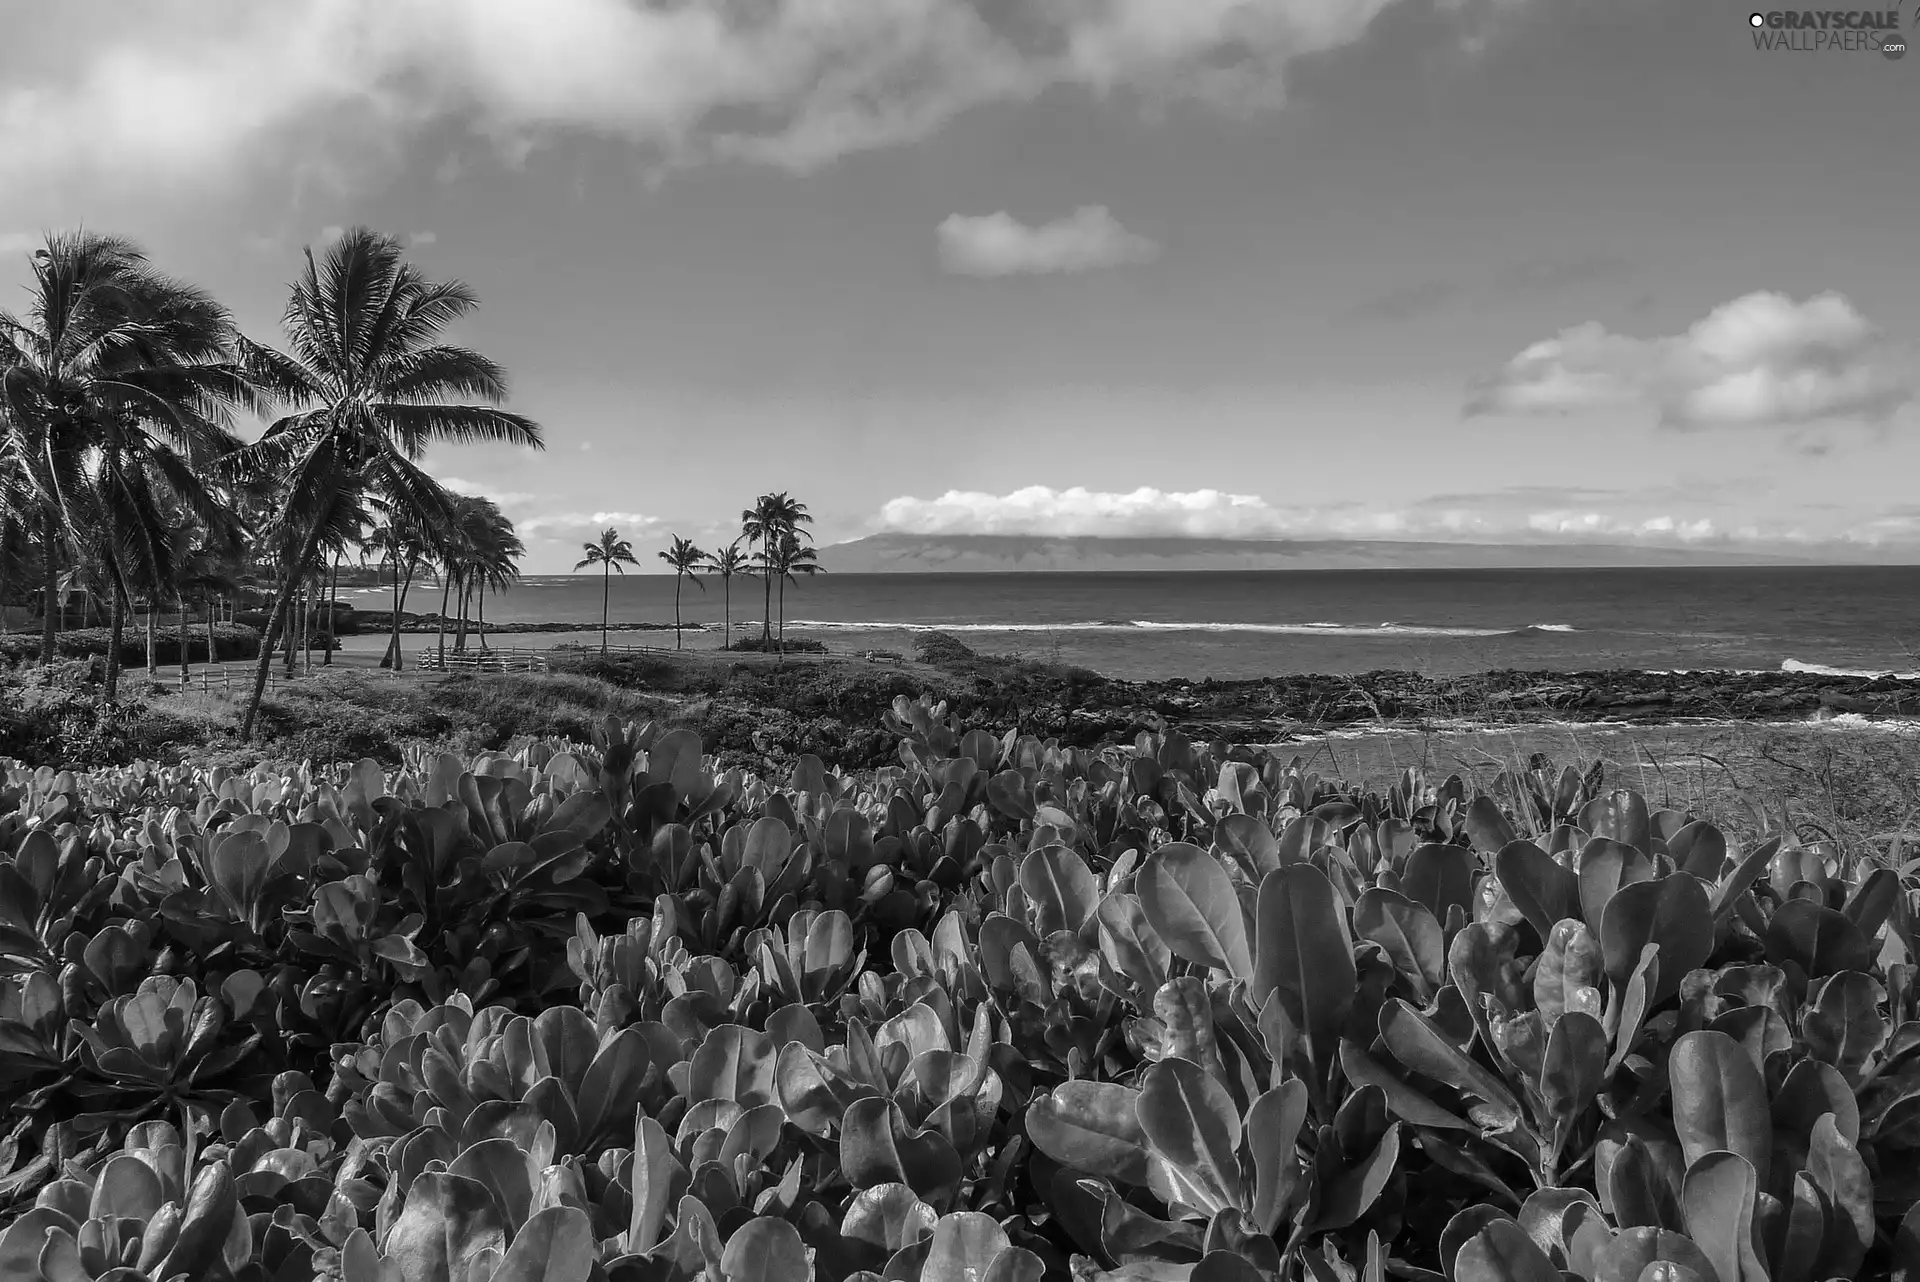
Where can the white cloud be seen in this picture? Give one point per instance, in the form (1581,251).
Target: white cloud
(331,232)
(480,489)
(1762,359)
(20,242)
(172,93)
(1149,513)
(556,525)
(1001,245)
(423,238)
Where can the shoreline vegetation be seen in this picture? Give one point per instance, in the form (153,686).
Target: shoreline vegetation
(1841,743)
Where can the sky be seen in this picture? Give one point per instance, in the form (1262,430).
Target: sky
(1496,270)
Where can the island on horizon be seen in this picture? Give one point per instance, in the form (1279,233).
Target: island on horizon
(898,553)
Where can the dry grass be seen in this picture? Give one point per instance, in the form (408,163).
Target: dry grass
(1848,781)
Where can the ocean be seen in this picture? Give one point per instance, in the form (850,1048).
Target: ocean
(1248,624)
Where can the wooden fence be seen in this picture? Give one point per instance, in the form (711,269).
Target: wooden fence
(492,659)
(229,678)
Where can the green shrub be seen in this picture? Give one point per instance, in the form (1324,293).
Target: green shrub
(1002,1009)
(231,641)
(774,645)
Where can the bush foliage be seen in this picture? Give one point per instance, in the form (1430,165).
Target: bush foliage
(777,645)
(230,640)
(1001,1011)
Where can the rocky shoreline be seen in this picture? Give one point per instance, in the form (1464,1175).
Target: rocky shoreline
(1409,698)
(374,622)
(837,705)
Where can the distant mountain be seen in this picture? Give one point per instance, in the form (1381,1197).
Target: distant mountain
(977,553)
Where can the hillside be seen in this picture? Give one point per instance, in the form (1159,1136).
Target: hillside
(978,553)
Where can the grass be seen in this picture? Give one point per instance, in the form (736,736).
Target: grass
(1846,779)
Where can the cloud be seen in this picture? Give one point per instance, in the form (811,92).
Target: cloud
(20,242)
(480,489)
(560,525)
(1001,245)
(423,238)
(1762,359)
(1150,513)
(172,93)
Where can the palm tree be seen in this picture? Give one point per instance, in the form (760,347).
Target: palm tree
(405,542)
(371,384)
(204,567)
(493,557)
(687,562)
(726,563)
(792,557)
(121,380)
(609,553)
(771,516)
(452,556)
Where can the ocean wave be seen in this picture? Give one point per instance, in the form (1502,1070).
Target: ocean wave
(1328,629)
(882,625)
(1826,670)
(1389,630)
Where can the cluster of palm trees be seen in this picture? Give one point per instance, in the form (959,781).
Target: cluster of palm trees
(119,387)
(776,549)
(475,552)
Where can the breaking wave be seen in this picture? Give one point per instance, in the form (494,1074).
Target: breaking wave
(1387,630)
(1824,670)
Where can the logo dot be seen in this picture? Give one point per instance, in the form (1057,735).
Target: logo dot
(1757,20)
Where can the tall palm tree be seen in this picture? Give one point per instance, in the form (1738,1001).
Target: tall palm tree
(494,552)
(371,384)
(205,568)
(122,380)
(451,558)
(727,562)
(14,559)
(406,541)
(609,552)
(687,562)
(16,496)
(771,516)
(792,557)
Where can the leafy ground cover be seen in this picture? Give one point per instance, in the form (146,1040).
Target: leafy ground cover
(1004,1008)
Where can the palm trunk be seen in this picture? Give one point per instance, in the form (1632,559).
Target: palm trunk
(726,592)
(766,621)
(306,624)
(782,643)
(281,598)
(333,596)
(391,659)
(186,638)
(480,614)
(212,650)
(446,586)
(676,611)
(153,655)
(50,623)
(466,601)
(292,624)
(115,636)
(606,589)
